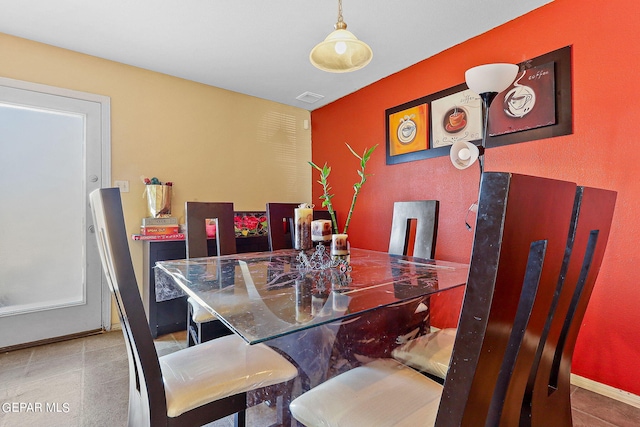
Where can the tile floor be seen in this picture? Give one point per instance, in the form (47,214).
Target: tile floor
(84,382)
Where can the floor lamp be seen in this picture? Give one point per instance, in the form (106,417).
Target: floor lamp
(487,81)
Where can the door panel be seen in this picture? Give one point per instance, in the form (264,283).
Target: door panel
(50,277)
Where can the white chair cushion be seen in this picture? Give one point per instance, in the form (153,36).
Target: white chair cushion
(381,393)
(429,353)
(200,314)
(219,368)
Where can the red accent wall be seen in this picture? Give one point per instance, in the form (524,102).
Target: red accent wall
(601,152)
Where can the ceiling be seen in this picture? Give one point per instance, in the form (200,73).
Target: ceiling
(257,47)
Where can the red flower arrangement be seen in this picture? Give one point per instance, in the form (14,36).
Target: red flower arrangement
(250,224)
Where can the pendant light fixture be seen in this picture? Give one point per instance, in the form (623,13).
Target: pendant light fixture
(341,51)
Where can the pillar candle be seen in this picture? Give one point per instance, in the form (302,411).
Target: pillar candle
(302,224)
(321,230)
(339,244)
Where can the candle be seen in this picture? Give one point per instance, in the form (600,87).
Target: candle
(321,230)
(302,224)
(339,244)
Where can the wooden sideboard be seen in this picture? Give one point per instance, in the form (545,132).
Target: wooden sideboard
(171,316)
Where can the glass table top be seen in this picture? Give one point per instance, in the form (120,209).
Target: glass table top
(265,295)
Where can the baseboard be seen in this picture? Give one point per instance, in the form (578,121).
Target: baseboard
(596,387)
(50,340)
(605,390)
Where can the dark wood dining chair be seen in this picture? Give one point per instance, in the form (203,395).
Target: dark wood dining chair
(517,257)
(425,214)
(280,218)
(361,338)
(189,387)
(202,325)
(549,382)
(547,397)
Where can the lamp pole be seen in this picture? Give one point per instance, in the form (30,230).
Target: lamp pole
(487,99)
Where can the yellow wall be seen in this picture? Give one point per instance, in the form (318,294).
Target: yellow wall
(213,144)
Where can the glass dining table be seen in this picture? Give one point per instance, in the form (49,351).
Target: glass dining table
(262,296)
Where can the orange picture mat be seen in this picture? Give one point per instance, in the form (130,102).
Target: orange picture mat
(409,130)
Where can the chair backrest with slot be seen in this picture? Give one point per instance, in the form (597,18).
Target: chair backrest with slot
(147,402)
(196,214)
(547,397)
(280,218)
(518,250)
(425,212)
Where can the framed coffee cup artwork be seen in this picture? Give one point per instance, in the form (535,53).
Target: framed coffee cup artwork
(428,126)
(537,105)
(407,132)
(456,117)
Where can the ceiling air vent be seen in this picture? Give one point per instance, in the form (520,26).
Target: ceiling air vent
(309,97)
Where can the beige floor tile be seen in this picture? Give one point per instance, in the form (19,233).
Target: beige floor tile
(14,359)
(42,372)
(103,340)
(56,402)
(106,404)
(12,378)
(46,353)
(96,374)
(104,355)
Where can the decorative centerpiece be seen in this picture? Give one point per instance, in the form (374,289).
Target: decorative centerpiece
(158,197)
(339,241)
(319,260)
(326,271)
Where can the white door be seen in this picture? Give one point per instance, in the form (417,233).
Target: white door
(54,150)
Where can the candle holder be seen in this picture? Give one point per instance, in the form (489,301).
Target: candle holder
(321,260)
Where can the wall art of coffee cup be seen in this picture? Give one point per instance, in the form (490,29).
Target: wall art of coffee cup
(455,120)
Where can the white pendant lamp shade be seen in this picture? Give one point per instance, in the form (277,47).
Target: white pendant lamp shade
(463,154)
(490,77)
(341,52)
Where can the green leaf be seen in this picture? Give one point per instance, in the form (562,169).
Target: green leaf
(370,152)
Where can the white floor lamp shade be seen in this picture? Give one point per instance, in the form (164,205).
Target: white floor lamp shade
(490,77)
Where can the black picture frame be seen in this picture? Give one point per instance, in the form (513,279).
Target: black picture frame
(563,102)
(413,155)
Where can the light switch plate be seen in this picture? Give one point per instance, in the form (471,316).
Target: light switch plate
(122,185)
